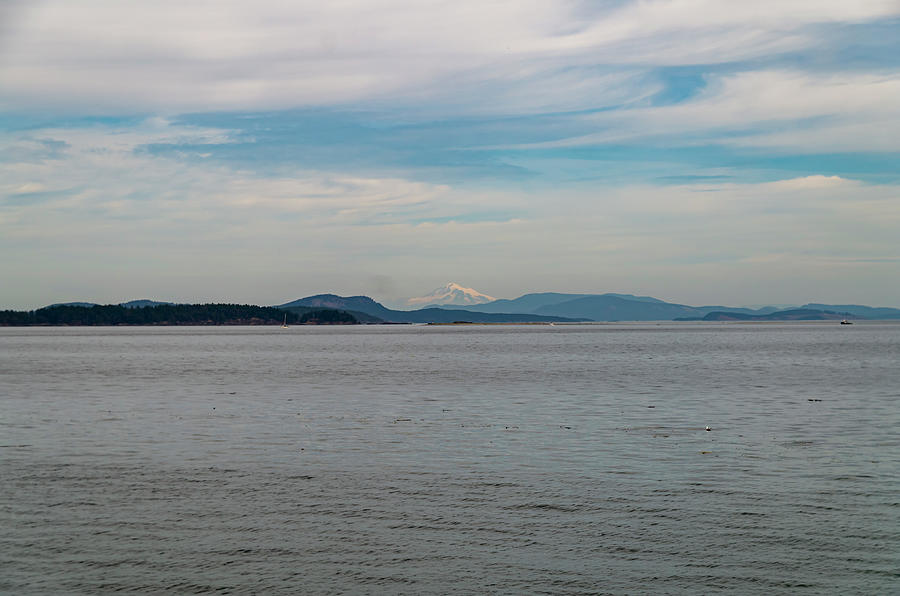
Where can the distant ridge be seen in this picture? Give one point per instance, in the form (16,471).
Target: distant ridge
(333,302)
(613,308)
(601,307)
(551,307)
(629,307)
(798,314)
(366,305)
(366,309)
(868,312)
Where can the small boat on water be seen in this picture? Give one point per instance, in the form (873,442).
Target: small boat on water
(846,322)
(284,325)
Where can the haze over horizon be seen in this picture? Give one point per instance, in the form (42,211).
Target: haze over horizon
(699,152)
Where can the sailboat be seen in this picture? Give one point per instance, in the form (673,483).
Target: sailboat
(284,325)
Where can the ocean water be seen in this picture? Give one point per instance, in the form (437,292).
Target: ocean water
(451,459)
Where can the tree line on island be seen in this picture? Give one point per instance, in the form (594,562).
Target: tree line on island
(173,314)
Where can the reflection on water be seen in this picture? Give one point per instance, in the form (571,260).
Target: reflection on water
(484,459)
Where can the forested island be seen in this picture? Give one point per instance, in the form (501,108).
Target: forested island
(173,314)
(797,314)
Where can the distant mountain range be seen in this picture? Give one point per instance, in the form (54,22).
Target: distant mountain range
(605,307)
(367,306)
(628,307)
(558,307)
(546,307)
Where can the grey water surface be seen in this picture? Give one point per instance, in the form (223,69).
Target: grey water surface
(451,459)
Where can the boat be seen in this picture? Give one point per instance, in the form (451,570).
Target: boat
(284,325)
(846,322)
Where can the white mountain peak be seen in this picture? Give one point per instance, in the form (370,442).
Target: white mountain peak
(452,293)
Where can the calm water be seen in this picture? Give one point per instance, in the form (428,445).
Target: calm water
(428,460)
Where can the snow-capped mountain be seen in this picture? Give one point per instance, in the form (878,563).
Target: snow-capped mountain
(451,294)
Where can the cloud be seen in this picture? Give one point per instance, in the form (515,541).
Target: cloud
(213,231)
(105,174)
(773,109)
(28,188)
(173,56)
(815,182)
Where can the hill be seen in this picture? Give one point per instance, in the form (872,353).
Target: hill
(368,306)
(360,316)
(869,312)
(798,314)
(626,307)
(614,308)
(362,304)
(601,307)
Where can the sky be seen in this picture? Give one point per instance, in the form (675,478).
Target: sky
(698,151)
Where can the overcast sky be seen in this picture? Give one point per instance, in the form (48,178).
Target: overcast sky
(703,152)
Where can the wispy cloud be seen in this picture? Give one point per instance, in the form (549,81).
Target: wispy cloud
(177,56)
(814,182)
(105,200)
(105,173)
(755,108)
